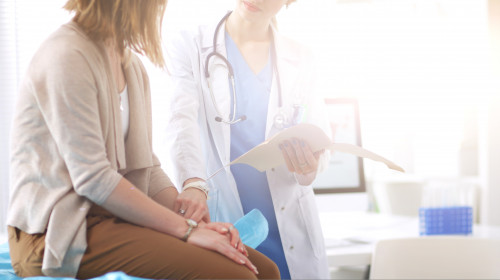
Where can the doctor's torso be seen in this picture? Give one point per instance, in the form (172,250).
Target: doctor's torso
(200,145)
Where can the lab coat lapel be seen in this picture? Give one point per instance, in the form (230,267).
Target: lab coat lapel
(221,93)
(288,68)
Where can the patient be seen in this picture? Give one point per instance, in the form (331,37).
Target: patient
(88,194)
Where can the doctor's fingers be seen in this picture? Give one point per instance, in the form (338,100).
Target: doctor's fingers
(191,208)
(196,210)
(177,207)
(288,160)
(197,213)
(206,217)
(296,155)
(311,158)
(291,152)
(318,154)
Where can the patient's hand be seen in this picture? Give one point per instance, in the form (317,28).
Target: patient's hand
(192,204)
(209,236)
(230,231)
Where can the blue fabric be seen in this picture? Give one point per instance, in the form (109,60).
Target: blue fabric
(253,228)
(252,99)
(7,272)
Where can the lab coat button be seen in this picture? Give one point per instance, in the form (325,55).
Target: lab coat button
(272,169)
(283,208)
(291,247)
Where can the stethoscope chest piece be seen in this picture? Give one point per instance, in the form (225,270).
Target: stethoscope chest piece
(279,121)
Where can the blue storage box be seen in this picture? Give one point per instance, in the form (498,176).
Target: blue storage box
(445,220)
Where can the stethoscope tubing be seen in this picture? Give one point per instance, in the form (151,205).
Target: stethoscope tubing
(230,74)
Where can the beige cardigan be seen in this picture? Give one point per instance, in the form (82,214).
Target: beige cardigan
(67,149)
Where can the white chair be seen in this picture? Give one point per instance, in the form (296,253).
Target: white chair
(436,257)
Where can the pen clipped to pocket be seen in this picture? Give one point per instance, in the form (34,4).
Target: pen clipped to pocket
(298,114)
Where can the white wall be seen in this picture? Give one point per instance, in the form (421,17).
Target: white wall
(490,164)
(490,130)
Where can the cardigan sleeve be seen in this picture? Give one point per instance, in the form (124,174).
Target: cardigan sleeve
(66,90)
(159,179)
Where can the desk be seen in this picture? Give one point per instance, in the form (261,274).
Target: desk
(350,237)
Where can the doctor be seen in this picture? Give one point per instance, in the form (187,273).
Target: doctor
(236,83)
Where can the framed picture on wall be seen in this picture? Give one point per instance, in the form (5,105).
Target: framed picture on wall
(345,172)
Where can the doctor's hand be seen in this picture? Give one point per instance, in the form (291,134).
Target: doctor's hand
(191,203)
(300,159)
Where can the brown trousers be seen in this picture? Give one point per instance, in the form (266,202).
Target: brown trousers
(115,245)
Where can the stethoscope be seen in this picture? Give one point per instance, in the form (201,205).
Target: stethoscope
(280,120)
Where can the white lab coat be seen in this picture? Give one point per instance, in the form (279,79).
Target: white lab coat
(199,146)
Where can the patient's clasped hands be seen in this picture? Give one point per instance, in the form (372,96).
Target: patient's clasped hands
(220,237)
(223,238)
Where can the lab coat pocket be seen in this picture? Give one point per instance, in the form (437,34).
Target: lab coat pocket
(213,197)
(312,223)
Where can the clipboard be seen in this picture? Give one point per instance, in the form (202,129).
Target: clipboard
(268,154)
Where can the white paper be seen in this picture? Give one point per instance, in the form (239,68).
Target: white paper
(268,154)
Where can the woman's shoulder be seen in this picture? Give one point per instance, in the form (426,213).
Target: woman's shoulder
(68,38)
(66,58)
(68,45)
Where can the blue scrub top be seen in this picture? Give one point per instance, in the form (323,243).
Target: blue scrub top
(252,99)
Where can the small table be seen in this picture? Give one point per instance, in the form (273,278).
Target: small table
(350,237)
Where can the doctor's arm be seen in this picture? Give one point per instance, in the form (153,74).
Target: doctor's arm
(193,200)
(183,131)
(299,158)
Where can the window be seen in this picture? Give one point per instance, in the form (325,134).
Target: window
(345,172)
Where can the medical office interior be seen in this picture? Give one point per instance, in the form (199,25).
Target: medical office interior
(421,83)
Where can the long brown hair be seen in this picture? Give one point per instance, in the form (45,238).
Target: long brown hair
(132,23)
